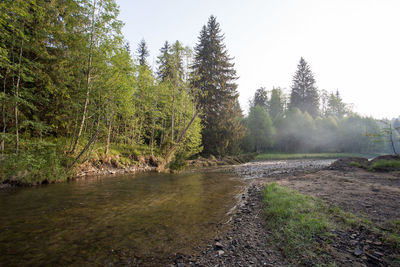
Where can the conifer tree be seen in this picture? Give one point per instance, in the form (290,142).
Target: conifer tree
(164,62)
(214,75)
(260,98)
(304,95)
(143,53)
(335,106)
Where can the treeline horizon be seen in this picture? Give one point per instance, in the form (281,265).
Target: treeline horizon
(73,90)
(312,120)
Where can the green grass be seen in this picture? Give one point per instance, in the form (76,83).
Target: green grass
(385,164)
(392,233)
(278,156)
(296,220)
(302,226)
(355,164)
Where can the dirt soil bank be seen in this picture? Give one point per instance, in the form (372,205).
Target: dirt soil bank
(375,196)
(110,165)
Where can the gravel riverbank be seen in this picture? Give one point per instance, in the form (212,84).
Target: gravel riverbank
(249,242)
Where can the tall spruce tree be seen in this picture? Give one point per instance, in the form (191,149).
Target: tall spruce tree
(304,94)
(142,52)
(214,74)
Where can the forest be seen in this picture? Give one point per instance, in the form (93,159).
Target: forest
(73,89)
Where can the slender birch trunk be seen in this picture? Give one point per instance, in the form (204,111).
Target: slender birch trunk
(109,133)
(173,114)
(88,79)
(17,96)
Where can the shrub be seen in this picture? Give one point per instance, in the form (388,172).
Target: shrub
(40,162)
(179,162)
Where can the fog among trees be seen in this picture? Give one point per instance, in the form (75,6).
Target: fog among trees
(73,90)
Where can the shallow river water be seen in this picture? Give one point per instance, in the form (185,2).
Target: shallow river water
(118,220)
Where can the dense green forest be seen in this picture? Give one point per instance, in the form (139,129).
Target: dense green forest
(72,89)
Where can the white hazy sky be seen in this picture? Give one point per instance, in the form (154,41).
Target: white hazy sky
(351,45)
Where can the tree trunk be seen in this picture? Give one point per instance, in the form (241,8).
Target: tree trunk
(109,134)
(152,136)
(4,114)
(94,143)
(391,139)
(16,97)
(89,70)
(173,115)
(184,116)
(85,148)
(179,140)
(74,132)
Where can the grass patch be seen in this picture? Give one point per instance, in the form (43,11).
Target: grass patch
(279,156)
(296,220)
(392,233)
(384,164)
(303,226)
(355,164)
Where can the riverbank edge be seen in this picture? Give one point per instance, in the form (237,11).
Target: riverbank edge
(113,165)
(250,240)
(154,164)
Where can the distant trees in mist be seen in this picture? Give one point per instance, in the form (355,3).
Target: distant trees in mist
(310,120)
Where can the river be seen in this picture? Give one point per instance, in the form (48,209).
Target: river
(142,219)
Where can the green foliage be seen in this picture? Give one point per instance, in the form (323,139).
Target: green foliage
(355,164)
(179,162)
(77,79)
(335,106)
(277,103)
(214,75)
(261,132)
(40,162)
(304,95)
(294,132)
(297,131)
(260,99)
(384,164)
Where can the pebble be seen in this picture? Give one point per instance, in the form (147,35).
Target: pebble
(358,252)
(218,245)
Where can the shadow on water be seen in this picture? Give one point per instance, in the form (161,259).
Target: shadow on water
(114,220)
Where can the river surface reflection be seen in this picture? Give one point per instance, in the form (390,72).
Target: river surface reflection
(123,220)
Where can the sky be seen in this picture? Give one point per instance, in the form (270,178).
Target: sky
(351,45)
